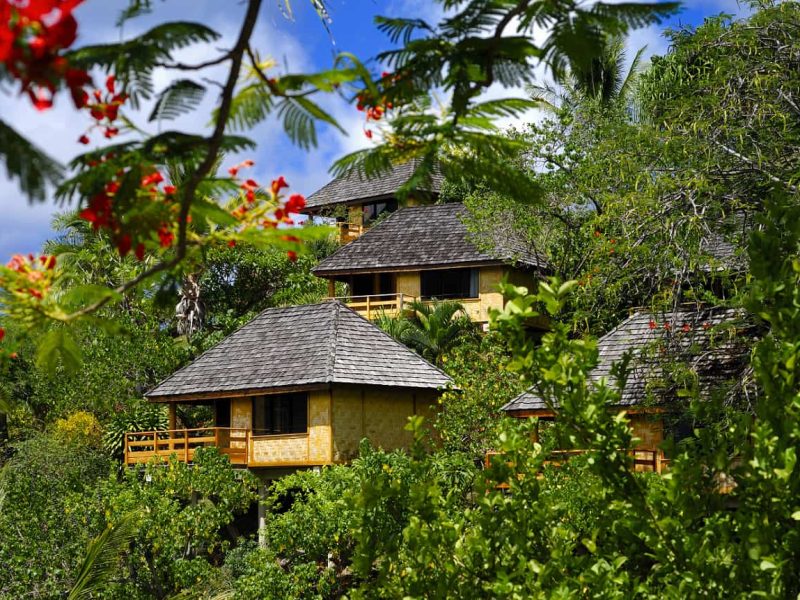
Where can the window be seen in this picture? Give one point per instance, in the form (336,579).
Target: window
(450,283)
(369,285)
(283,413)
(374,209)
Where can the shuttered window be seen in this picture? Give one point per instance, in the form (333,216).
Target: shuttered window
(282,413)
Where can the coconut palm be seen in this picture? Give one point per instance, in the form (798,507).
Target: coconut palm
(603,79)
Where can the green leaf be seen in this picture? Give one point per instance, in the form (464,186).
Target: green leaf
(58,347)
(178,98)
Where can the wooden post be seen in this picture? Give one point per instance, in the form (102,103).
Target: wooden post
(246,446)
(369,314)
(126,450)
(186,446)
(658,462)
(155,442)
(331,288)
(262,515)
(173,418)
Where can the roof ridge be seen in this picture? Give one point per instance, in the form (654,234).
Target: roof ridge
(397,342)
(334,341)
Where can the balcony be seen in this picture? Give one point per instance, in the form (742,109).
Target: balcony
(349,232)
(373,306)
(645,460)
(238,444)
(143,446)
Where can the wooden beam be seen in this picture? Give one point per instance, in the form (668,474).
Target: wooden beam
(172,420)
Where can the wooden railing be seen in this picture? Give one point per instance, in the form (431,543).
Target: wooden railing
(373,306)
(349,232)
(645,460)
(142,446)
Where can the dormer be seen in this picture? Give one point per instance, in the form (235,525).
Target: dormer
(426,253)
(356,202)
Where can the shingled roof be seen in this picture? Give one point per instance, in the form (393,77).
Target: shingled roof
(713,343)
(301,346)
(353,187)
(423,237)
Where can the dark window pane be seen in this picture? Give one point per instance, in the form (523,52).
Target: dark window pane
(222,413)
(284,413)
(362,285)
(386,283)
(450,283)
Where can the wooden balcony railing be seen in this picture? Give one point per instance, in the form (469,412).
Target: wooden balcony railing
(349,232)
(373,306)
(645,460)
(142,446)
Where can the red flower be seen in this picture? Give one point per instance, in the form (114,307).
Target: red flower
(152,179)
(667,326)
(686,328)
(652,324)
(110,83)
(170,189)
(17,263)
(368,133)
(84,139)
(2,334)
(139,251)
(295,203)
(40,99)
(233,171)
(165,236)
(706,325)
(248,163)
(124,244)
(597,234)
(251,196)
(110,132)
(292,256)
(231,243)
(250,183)
(278,184)
(48,262)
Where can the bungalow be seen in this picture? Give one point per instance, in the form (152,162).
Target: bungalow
(296,387)
(425,253)
(704,348)
(359,200)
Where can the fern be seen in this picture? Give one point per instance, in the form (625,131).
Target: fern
(179,97)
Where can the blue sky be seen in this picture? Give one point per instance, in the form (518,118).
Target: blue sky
(298,44)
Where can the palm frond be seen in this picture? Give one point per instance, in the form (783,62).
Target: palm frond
(102,559)
(28,164)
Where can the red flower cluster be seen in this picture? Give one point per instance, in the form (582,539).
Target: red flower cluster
(375,108)
(32,276)
(270,212)
(100,213)
(32,33)
(105,109)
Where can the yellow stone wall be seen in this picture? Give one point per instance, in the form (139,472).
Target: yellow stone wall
(377,414)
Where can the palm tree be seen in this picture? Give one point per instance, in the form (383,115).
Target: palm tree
(436,327)
(603,79)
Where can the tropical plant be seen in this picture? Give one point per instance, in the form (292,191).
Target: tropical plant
(139,416)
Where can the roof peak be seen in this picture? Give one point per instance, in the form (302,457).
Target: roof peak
(301,346)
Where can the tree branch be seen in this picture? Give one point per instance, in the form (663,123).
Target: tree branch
(212,154)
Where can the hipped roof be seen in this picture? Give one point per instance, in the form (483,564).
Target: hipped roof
(715,354)
(354,187)
(427,237)
(301,347)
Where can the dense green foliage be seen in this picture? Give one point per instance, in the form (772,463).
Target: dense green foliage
(638,182)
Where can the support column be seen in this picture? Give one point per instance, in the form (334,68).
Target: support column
(331,288)
(262,515)
(172,420)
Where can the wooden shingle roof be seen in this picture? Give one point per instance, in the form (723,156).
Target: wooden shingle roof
(713,343)
(297,347)
(353,187)
(427,237)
